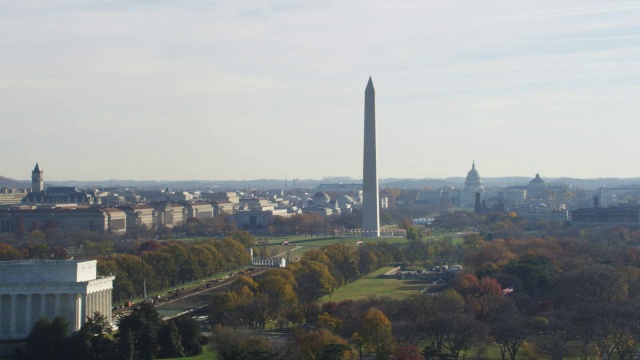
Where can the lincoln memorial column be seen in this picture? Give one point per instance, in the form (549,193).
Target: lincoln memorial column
(57,305)
(84,307)
(14,312)
(105,302)
(94,303)
(28,321)
(43,305)
(78,311)
(110,305)
(71,309)
(98,302)
(102,302)
(88,310)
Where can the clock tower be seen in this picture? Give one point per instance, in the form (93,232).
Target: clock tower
(37,179)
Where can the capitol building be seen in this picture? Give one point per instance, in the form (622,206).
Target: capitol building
(538,200)
(464,198)
(472,185)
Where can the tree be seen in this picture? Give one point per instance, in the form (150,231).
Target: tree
(330,322)
(243,237)
(144,323)
(125,345)
(223,308)
(413,234)
(234,252)
(260,310)
(472,241)
(199,262)
(376,332)
(279,284)
(8,252)
(536,273)
(164,267)
(48,339)
(509,330)
(415,251)
(92,248)
(170,341)
(369,259)
(345,261)
(36,251)
(123,287)
(178,252)
(316,255)
(244,282)
(593,282)
(484,296)
(231,345)
(407,352)
(190,333)
(313,281)
(335,351)
(322,344)
(454,331)
(555,338)
(93,341)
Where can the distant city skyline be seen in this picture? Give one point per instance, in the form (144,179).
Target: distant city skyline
(180,90)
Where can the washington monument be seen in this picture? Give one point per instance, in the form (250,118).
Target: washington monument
(370,201)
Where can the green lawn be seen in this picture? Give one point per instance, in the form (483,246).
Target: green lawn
(299,245)
(207,354)
(371,285)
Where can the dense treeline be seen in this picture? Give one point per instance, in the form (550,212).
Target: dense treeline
(141,336)
(173,263)
(166,264)
(551,292)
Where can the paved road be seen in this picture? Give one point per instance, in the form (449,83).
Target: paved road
(201,298)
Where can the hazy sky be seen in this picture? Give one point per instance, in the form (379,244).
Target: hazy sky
(199,89)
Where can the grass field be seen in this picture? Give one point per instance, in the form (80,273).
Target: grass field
(207,354)
(371,285)
(299,245)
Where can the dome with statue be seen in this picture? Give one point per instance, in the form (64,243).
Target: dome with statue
(537,188)
(537,182)
(473,178)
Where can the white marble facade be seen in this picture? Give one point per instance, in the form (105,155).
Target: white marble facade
(30,289)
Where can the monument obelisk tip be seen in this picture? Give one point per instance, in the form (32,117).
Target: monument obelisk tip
(370,191)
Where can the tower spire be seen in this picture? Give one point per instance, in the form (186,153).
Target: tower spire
(370,193)
(37,179)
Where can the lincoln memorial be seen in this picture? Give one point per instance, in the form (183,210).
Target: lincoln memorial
(30,289)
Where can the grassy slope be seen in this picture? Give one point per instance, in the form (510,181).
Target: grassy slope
(371,285)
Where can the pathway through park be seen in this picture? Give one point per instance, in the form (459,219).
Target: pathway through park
(200,299)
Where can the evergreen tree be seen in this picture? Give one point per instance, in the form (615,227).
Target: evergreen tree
(48,339)
(170,341)
(190,332)
(144,323)
(126,345)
